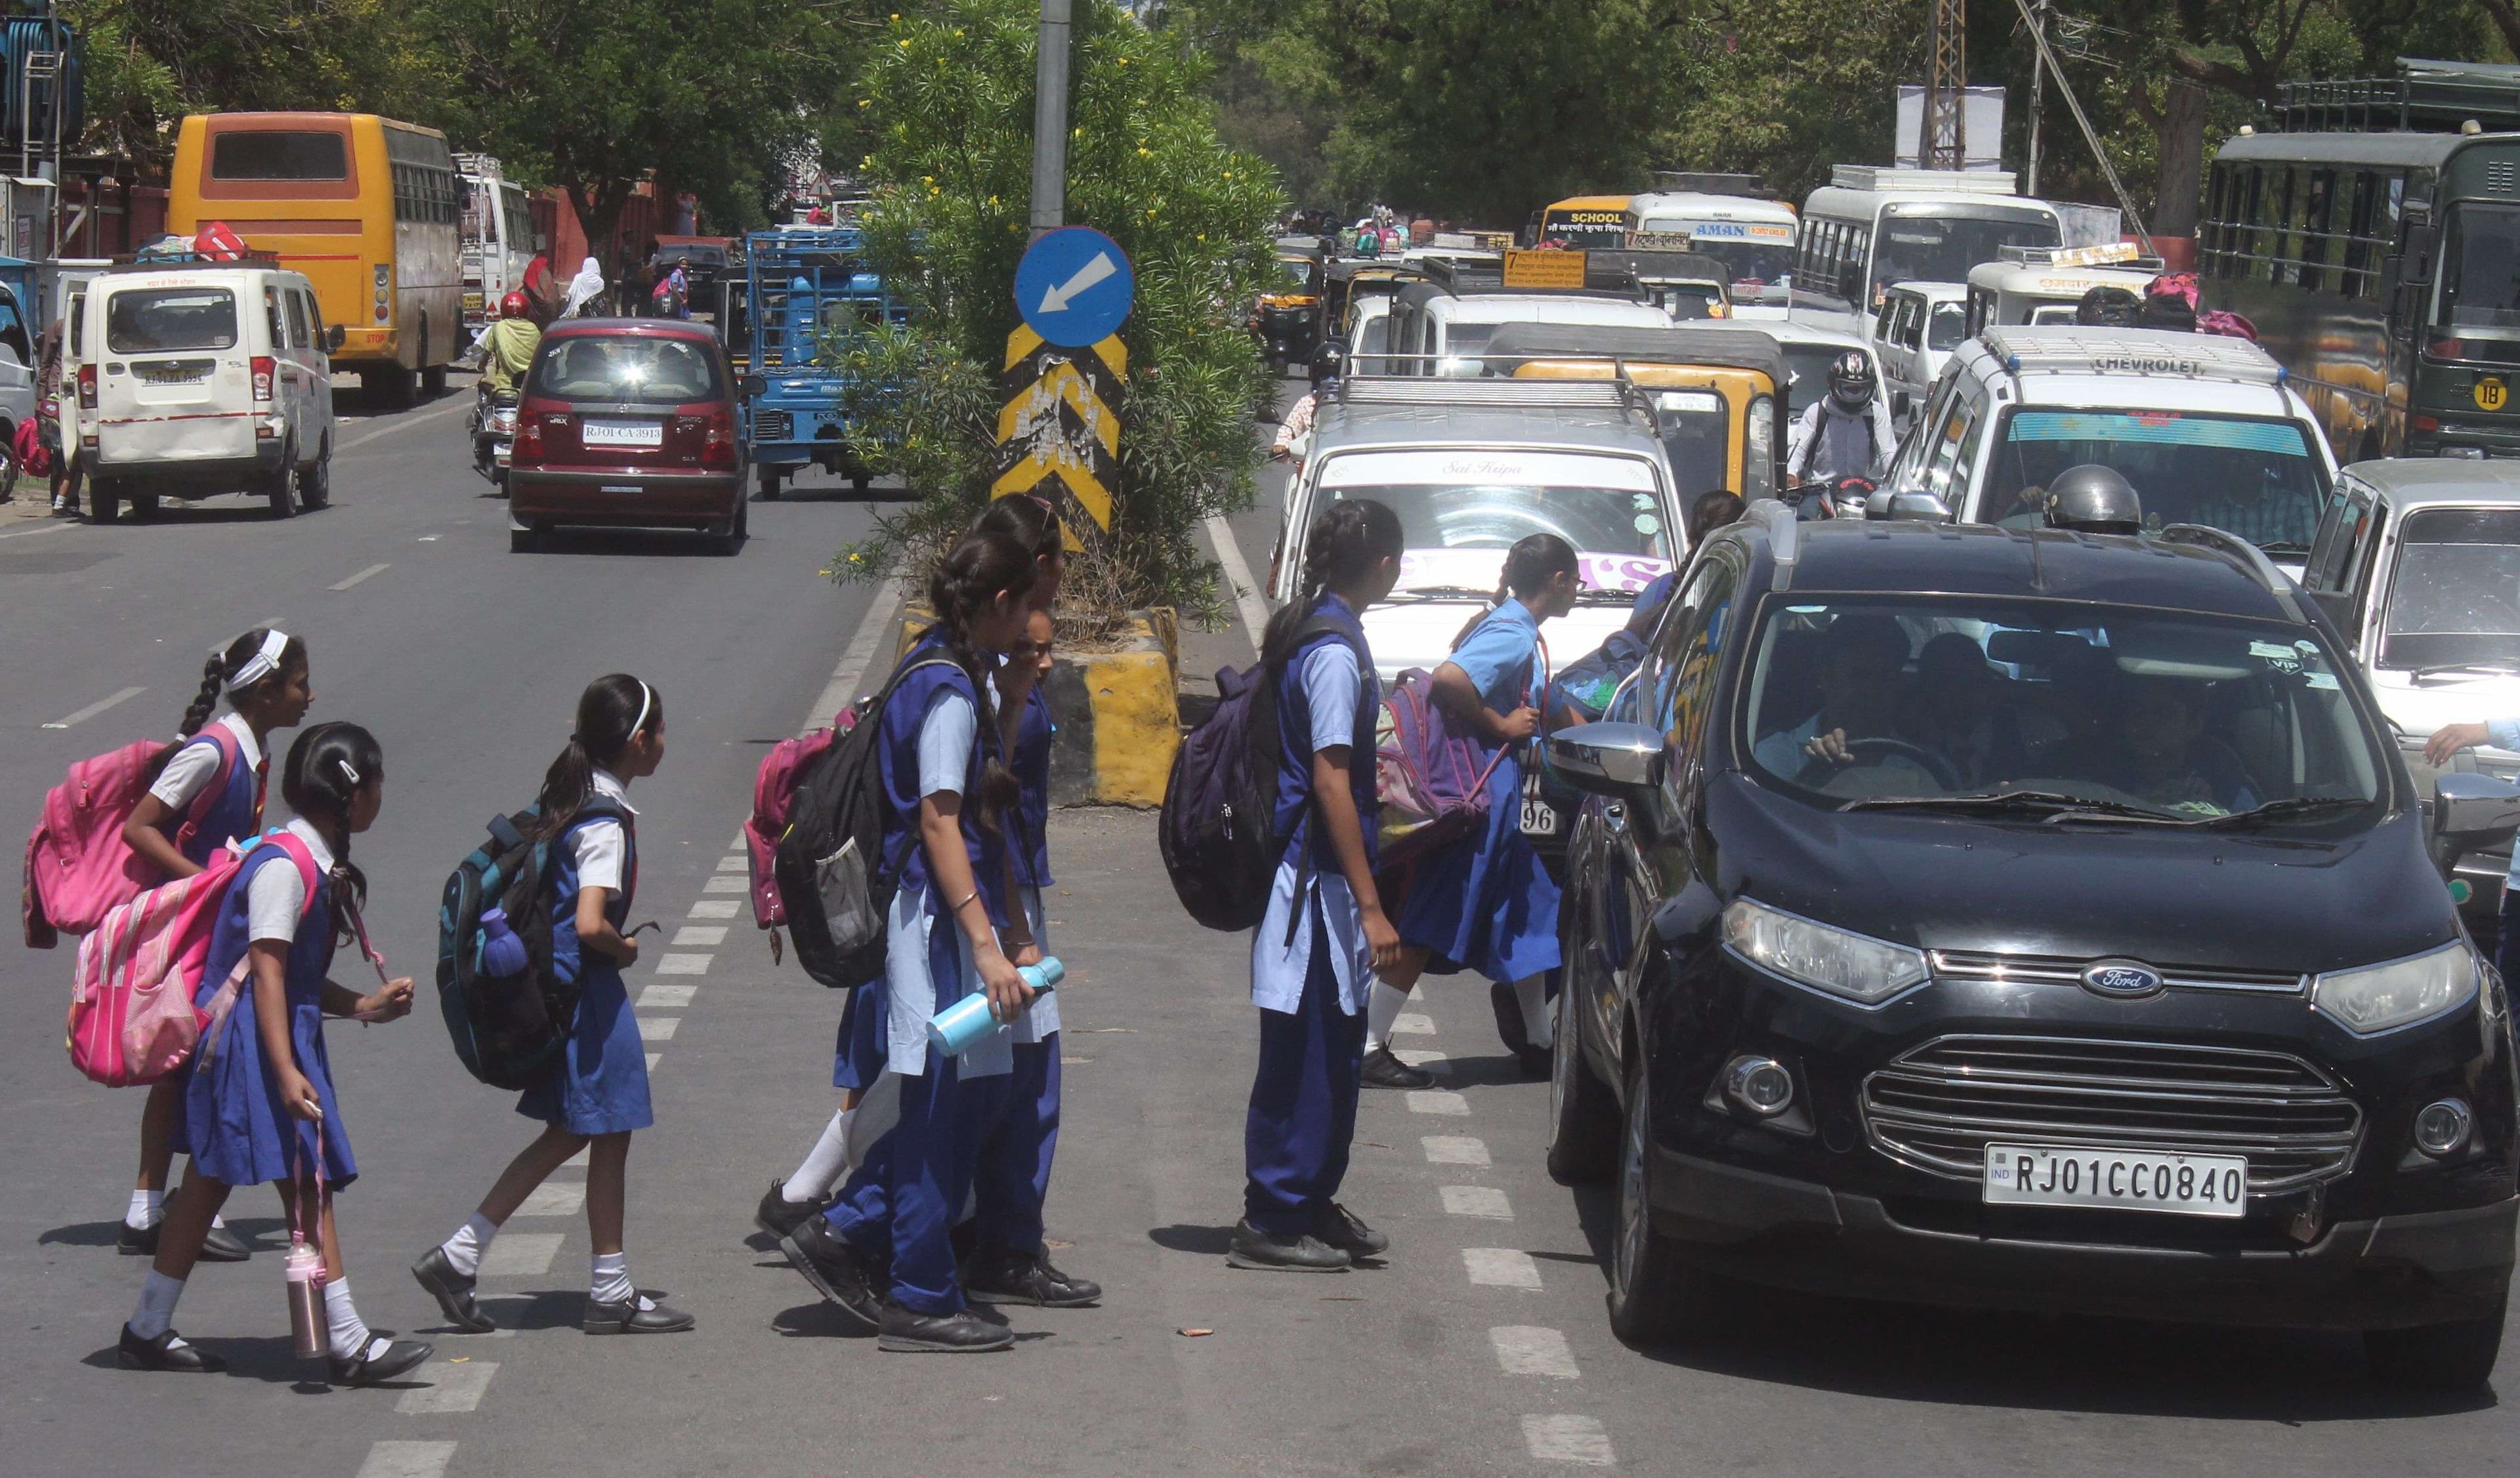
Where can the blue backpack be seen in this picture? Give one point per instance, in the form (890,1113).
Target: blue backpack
(509,1010)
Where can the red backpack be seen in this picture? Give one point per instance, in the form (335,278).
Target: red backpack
(77,863)
(774,788)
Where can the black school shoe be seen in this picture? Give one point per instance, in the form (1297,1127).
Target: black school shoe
(908,1331)
(1384,1069)
(163,1354)
(372,1366)
(780,1215)
(999,1275)
(627,1317)
(1344,1229)
(1257,1250)
(220,1246)
(1516,1036)
(452,1292)
(837,1270)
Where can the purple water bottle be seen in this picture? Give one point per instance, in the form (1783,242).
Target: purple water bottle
(502,952)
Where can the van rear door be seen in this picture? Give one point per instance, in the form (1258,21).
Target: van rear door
(173,384)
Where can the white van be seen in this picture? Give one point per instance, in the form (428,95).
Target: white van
(2030,286)
(1869,227)
(1917,327)
(200,379)
(1441,330)
(2205,428)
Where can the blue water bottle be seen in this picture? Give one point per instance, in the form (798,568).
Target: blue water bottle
(957,1028)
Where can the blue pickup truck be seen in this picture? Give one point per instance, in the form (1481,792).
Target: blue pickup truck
(805,290)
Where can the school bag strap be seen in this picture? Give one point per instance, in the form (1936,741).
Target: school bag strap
(230,754)
(893,862)
(222,1001)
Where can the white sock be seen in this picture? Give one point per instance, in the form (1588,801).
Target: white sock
(350,1334)
(823,1164)
(1381,1008)
(464,1248)
(217,1222)
(157,1312)
(148,1209)
(1531,992)
(609,1281)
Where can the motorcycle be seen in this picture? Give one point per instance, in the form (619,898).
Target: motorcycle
(494,435)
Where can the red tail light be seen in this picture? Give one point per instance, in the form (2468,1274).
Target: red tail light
(262,373)
(87,387)
(528,445)
(717,449)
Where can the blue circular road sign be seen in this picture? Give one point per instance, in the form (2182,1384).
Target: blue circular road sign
(1074,286)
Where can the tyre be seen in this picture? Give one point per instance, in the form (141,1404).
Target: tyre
(859,481)
(388,386)
(433,380)
(525,541)
(103,493)
(144,506)
(768,477)
(1583,1118)
(281,486)
(2455,1356)
(1654,1297)
(315,481)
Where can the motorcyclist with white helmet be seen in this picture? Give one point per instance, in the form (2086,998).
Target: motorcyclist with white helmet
(1844,433)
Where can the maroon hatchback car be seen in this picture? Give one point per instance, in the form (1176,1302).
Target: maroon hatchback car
(627,424)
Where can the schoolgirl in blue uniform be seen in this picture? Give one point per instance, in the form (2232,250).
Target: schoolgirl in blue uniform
(256,1097)
(1325,931)
(208,794)
(1486,903)
(595,1096)
(952,931)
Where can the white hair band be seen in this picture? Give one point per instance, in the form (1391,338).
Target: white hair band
(263,663)
(646,699)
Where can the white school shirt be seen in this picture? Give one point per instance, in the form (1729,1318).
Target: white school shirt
(192,768)
(599,846)
(946,736)
(277,896)
(1333,689)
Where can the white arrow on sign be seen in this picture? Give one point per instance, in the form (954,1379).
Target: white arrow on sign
(1057,299)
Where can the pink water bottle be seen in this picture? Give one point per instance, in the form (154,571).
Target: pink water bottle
(308,1328)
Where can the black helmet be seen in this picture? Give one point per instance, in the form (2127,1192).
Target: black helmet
(2093,499)
(1850,377)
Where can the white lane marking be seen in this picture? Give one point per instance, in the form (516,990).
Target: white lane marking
(1426,1058)
(714,907)
(653,1058)
(659,1028)
(1492,1267)
(38,533)
(843,685)
(662,996)
(1454,1150)
(1477,1200)
(725,883)
(700,933)
(1437,1100)
(1568,1439)
(430,538)
(1529,1350)
(1412,1024)
(453,404)
(95,709)
(554,1198)
(683,964)
(371,571)
(451,1387)
(407,1459)
(735,864)
(1238,576)
(516,1252)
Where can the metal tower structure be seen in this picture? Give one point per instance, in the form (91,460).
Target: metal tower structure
(1943,143)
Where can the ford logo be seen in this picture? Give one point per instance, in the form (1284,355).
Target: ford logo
(2122,979)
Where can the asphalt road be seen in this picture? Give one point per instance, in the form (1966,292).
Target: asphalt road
(1480,1349)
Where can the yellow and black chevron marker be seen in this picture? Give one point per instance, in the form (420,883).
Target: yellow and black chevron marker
(1059,431)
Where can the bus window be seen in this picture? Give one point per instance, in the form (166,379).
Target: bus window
(2250,214)
(275,155)
(2479,297)
(2354,280)
(2317,246)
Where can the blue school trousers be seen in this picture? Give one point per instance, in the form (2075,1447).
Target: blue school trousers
(1302,1118)
(902,1200)
(1012,1175)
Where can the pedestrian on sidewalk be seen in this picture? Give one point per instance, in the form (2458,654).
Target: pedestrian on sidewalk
(208,795)
(258,1094)
(952,931)
(1324,933)
(1485,903)
(596,1094)
(48,423)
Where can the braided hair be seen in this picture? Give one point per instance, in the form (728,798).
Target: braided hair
(966,583)
(1347,538)
(328,765)
(225,663)
(612,710)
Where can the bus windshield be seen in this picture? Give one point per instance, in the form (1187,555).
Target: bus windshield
(2456,594)
(1921,242)
(1752,263)
(2255,476)
(2480,275)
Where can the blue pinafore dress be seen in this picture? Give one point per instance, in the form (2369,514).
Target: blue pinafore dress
(230,1117)
(600,1084)
(236,813)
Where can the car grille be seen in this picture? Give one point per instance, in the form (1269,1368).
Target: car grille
(1937,1106)
(772,426)
(2054,969)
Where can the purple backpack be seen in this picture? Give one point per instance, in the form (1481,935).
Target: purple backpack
(1433,780)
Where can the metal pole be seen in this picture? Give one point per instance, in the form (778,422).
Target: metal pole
(1049,121)
(2091,135)
(2037,82)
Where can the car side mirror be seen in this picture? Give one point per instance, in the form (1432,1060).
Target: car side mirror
(335,337)
(2416,270)
(1617,760)
(2472,812)
(1888,504)
(755,385)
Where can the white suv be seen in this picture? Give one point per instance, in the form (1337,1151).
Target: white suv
(204,379)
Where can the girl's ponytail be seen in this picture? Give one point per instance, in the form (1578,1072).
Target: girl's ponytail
(612,711)
(328,765)
(965,582)
(213,678)
(1347,538)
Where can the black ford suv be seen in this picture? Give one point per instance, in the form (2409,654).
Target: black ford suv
(2035,920)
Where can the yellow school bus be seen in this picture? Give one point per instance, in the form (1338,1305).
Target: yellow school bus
(1718,394)
(1583,222)
(369,209)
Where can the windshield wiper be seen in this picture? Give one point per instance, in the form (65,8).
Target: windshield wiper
(1440,592)
(2290,808)
(2058,805)
(2283,546)
(1607,598)
(2446,669)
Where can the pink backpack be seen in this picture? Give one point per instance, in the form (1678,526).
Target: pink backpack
(774,786)
(132,1016)
(77,863)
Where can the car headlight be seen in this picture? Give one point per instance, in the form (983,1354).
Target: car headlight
(2379,997)
(1868,971)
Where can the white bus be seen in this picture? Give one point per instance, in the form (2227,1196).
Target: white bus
(1871,227)
(498,239)
(1753,238)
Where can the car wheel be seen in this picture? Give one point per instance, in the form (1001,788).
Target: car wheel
(2455,1356)
(525,541)
(1654,1297)
(315,481)
(1582,1119)
(768,476)
(282,487)
(860,481)
(144,506)
(103,493)
(742,519)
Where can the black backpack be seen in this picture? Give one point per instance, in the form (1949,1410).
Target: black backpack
(834,879)
(508,1029)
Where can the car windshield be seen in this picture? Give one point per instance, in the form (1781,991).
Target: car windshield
(1752,263)
(2480,273)
(2117,709)
(170,319)
(2455,597)
(628,369)
(1946,326)
(2255,476)
(1460,512)
(1922,242)
(1810,363)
